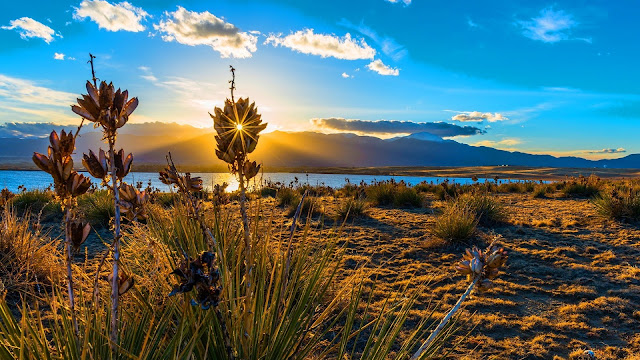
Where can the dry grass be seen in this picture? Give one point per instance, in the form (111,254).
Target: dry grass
(570,285)
(27,259)
(572,282)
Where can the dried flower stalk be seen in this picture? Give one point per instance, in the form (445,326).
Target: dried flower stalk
(109,109)
(480,267)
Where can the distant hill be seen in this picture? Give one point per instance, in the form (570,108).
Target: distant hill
(196,147)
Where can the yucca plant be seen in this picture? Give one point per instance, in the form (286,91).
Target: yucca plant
(237,127)
(480,267)
(109,109)
(68,185)
(237,131)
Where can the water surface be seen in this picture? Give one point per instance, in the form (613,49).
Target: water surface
(11,179)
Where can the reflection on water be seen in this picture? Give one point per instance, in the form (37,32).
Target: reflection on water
(11,179)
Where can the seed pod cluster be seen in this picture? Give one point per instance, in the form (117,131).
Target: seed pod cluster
(59,164)
(98,166)
(219,194)
(251,169)
(105,106)
(199,273)
(237,127)
(483,264)
(79,231)
(133,202)
(184,183)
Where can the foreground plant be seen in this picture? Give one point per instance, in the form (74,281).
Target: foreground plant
(237,127)
(109,109)
(480,267)
(68,185)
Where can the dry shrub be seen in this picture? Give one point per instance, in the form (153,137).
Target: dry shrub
(542,191)
(582,186)
(352,208)
(486,208)
(26,258)
(98,208)
(457,223)
(619,203)
(407,197)
(36,202)
(393,193)
(381,193)
(287,196)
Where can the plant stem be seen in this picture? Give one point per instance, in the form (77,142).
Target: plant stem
(116,245)
(67,241)
(248,256)
(445,320)
(243,208)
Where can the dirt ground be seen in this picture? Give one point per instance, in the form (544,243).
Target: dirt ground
(572,281)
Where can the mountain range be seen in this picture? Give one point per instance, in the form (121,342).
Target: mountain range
(195,147)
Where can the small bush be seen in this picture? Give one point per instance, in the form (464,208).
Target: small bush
(619,204)
(27,260)
(352,208)
(446,191)
(582,187)
(268,192)
(382,193)
(486,208)
(407,197)
(352,190)
(36,202)
(457,223)
(510,187)
(542,190)
(97,208)
(287,196)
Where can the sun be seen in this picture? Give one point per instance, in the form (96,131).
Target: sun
(239,127)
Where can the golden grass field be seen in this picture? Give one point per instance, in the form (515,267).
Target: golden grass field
(572,281)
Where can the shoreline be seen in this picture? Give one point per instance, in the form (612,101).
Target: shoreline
(489,172)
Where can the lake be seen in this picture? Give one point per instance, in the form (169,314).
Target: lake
(11,179)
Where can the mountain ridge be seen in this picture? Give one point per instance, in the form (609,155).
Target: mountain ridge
(312,149)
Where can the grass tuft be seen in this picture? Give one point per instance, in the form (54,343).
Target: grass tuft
(351,208)
(457,223)
(485,207)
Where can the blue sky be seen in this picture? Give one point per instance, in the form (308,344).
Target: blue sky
(540,77)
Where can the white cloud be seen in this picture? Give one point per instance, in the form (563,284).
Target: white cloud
(112,17)
(183,87)
(550,26)
(388,45)
(58,56)
(346,76)
(383,69)
(24,100)
(607,151)
(193,28)
(306,42)
(406,2)
(26,91)
(477,116)
(29,28)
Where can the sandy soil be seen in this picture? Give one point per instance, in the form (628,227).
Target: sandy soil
(572,282)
